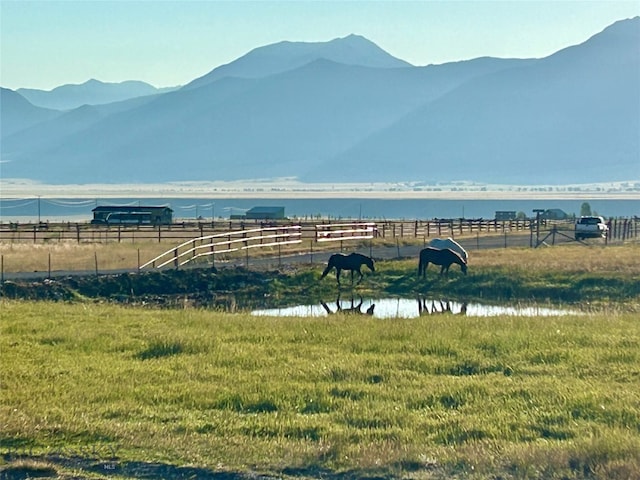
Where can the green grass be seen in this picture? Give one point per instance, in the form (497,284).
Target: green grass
(427,397)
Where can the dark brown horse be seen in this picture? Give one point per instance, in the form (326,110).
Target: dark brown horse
(352,262)
(445,308)
(443,257)
(355,308)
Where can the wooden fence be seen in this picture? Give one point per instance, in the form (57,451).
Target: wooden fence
(620,229)
(233,241)
(258,238)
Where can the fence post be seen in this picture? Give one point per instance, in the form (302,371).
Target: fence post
(49,265)
(138,260)
(78,232)
(311,251)
(95,260)
(159,233)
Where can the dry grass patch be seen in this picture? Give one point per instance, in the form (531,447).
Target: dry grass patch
(25,257)
(620,259)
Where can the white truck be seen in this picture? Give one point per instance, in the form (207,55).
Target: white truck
(591,227)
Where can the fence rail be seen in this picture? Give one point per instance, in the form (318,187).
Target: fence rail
(227,242)
(331,232)
(300,241)
(45,232)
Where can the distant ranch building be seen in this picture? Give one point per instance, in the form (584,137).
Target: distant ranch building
(265,213)
(504,215)
(132,215)
(554,214)
(262,213)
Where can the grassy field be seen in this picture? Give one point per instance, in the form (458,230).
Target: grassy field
(95,390)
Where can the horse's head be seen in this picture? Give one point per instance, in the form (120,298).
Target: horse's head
(463,267)
(369,263)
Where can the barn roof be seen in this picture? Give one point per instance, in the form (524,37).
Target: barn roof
(265,209)
(130,208)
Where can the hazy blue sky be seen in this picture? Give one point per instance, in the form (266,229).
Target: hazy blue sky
(44,44)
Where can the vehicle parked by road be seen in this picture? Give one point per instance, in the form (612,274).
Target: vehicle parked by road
(591,227)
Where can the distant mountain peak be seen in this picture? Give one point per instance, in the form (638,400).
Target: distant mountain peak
(287,55)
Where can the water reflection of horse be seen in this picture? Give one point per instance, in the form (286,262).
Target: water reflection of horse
(444,257)
(355,308)
(451,244)
(445,308)
(352,262)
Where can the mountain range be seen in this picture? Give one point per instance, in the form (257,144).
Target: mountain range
(347,111)
(91,92)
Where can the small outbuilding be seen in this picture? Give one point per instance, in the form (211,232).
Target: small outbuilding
(554,214)
(265,213)
(502,215)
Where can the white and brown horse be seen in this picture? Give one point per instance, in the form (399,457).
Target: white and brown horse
(444,257)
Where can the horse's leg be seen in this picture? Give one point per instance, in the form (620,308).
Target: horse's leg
(338,270)
(361,276)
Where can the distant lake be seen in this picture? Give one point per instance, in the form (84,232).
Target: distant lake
(78,210)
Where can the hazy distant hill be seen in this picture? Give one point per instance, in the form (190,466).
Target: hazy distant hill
(92,92)
(283,56)
(571,117)
(17,113)
(345,110)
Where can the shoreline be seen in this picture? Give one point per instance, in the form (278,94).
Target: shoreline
(295,190)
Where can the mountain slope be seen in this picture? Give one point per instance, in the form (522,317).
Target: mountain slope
(572,117)
(17,113)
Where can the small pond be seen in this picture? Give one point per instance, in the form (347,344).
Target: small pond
(410,308)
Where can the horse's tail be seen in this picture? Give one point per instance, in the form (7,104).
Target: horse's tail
(420,266)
